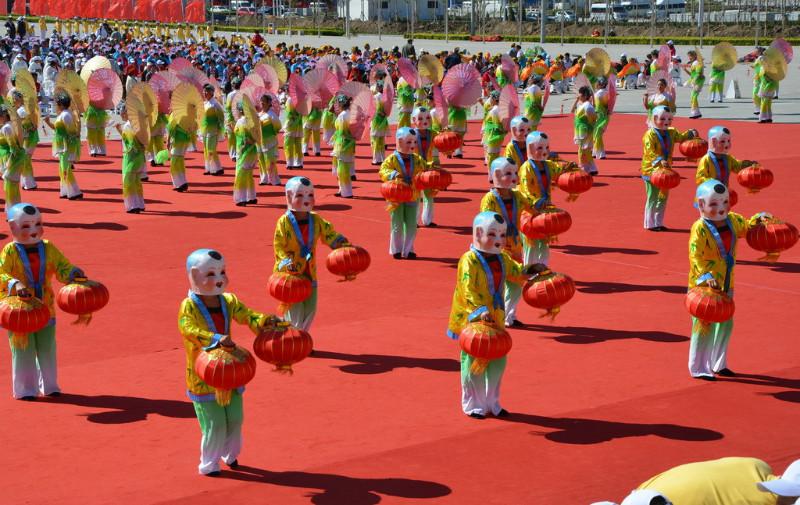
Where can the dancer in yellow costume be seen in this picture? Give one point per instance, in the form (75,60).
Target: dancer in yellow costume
(204,321)
(584,122)
(344,147)
(533,102)
(292,137)
(404,165)
(244,188)
(712,257)
(493,132)
(405,102)
(662,98)
(758,71)
(601,99)
(718,163)
(696,80)
(509,202)
(230,121)
(268,157)
(658,143)
(457,120)
(421,122)
(133,163)
(536,179)
(379,127)
(27,267)
(30,139)
(311,132)
(297,234)
(66,146)
(13,158)
(96,121)
(480,286)
(179,141)
(210,128)
(157,133)
(767,91)
(516,149)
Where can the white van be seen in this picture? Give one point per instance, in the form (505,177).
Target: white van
(616,12)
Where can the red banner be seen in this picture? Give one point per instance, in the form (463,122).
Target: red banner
(127,9)
(3,7)
(142,10)
(115,9)
(196,11)
(19,7)
(35,7)
(176,11)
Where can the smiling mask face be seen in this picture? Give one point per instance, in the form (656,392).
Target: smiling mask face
(719,139)
(300,194)
(520,128)
(713,200)
(538,145)
(406,140)
(489,232)
(25,222)
(504,173)
(662,118)
(421,118)
(207,275)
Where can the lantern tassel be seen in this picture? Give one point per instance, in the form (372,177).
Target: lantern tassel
(282,308)
(283,370)
(753,191)
(391,206)
(572,197)
(701,327)
(770,257)
(479,366)
(347,278)
(551,313)
(83,320)
(19,341)
(223,397)
(662,194)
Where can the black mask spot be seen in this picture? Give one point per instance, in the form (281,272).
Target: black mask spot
(511,161)
(423,109)
(499,218)
(525,120)
(543,135)
(412,131)
(726,131)
(29,210)
(719,189)
(214,254)
(305,182)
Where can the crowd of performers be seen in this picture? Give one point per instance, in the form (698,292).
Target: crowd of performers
(317,100)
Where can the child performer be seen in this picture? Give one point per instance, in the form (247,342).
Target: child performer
(311,132)
(716,84)
(533,102)
(767,91)
(404,164)
(210,129)
(329,122)
(503,199)
(30,139)
(405,102)
(601,125)
(293,137)
(663,97)
(204,321)
(493,131)
(585,118)
(133,162)
(718,163)
(515,150)
(658,143)
(712,256)
(27,266)
(244,189)
(14,157)
(536,179)
(268,157)
(482,274)
(344,149)
(179,140)
(457,119)
(696,79)
(66,146)
(297,233)
(96,120)
(157,133)
(230,121)
(378,127)
(421,121)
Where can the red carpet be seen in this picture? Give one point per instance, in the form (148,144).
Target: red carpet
(601,397)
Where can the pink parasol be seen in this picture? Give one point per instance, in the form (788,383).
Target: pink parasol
(105,89)
(440,107)
(362,107)
(269,76)
(299,94)
(461,85)
(508,107)
(582,80)
(409,72)
(546,97)
(652,84)
(179,64)
(510,68)
(194,77)
(5,78)
(612,92)
(253,79)
(335,64)
(162,88)
(664,57)
(322,85)
(373,73)
(169,77)
(785,48)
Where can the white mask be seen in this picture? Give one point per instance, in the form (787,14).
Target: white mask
(538,146)
(206,270)
(25,222)
(662,118)
(300,194)
(504,173)
(719,139)
(713,200)
(421,118)
(489,233)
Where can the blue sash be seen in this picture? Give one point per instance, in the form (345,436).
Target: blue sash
(207,315)
(520,156)
(723,174)
(497,294)
(305,248)
(545,198)
(511,226)
(726,255)
(666,144)
(406,174)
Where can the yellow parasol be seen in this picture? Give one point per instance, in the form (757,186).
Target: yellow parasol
(278,66)
(70,82)
(144,93)
(251,116)
(598,63)
(724,56)
(139,118)
(774,64)
(187,106)
(430,69)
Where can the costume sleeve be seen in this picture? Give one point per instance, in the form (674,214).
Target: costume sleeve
(510,152)
(650,152)
(679,136)
(488,203)
(734,165)
(328,234)
(703,170)
(192,327)
(388,170)
(741,224)
(284,235)
(525,180)
(701,270)
(556,169)
(468,272)
(65,271)
(8,261)
(240,313)
(514,270)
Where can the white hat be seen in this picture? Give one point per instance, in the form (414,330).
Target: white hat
(787,485)
(645,497)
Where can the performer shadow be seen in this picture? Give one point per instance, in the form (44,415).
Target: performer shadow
(573,430)
(597,288)
(763,380)
(788,396)
(90,226)
(779,266)
(340,489)
(332,207)
(126,409)
(226,214)
(368,364)
(589,250)
(586,335)
(451,199)
(458,230)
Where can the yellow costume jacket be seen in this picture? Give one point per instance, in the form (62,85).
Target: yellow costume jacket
(393,168)
(197,327)
(707,257)
(14,263)
(290,252)
(719,167)
(532,181)
(475,295)
(516,151)
(657,146)
(492,201)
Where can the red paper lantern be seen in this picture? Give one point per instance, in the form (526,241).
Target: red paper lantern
(484,342)
(434,179)
(772,236)
(82,297)
(665,179)
(755,178)
(709,306)
(693,149)
(575,183)
(397,192)
(348,261)
(283,347)
(21,316)
(288,289)
(446,142)
(549,291)
(545,225)
(733,197)
(225,369)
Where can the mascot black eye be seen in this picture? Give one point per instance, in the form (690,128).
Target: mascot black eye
(525,120)
(412,131)
(499,218)
(511,161)
(719,189)
(726,131)
(543,135)
(29,210)
(305,182)
(215,255)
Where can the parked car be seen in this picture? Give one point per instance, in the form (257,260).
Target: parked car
(264,11)
(218,9)
(246,11)
(563,16)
